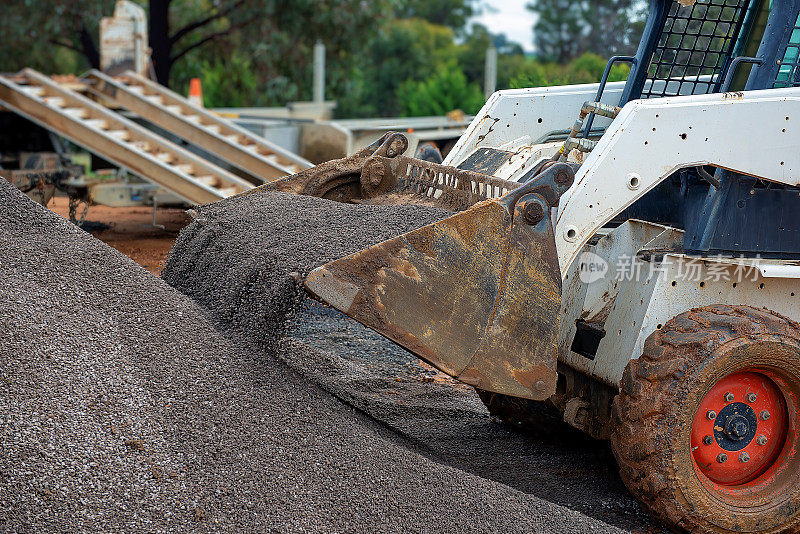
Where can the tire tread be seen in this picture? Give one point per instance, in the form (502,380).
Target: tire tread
(648,387)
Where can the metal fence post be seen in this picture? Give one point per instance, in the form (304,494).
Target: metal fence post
(490,80)
(319,72)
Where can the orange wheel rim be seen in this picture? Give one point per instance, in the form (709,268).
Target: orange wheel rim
(739,429)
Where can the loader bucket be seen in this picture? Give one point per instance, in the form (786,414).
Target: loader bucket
(477,295)
(380,173)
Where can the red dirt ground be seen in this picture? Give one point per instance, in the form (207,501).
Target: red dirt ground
(131,231)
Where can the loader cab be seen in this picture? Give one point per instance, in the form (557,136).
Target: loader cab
(685,50)
(713,46)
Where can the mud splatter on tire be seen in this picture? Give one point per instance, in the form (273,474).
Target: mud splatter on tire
(661,393)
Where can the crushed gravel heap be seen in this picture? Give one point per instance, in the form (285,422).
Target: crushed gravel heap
(236,257)
(122,408)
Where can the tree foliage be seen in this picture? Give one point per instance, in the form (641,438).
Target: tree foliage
(451,13)
(565,29)
(56,36)
(445,91)
(587,68)
(384,57)
(404,50)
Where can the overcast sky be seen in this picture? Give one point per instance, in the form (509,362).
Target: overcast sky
(509,17)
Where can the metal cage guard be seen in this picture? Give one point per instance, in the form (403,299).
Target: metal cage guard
(687,49)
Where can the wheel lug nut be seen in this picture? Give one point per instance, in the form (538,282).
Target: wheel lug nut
(764,415)
(722,458)
(744,457)
(711,415)
(729,397)
(708,440)
(752,397)
(761,440)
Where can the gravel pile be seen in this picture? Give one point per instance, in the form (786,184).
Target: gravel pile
(235,260)
(446,418)
(236,257)
(124,408)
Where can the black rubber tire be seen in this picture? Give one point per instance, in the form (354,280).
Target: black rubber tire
(523,414)
(661,391)
(428,152)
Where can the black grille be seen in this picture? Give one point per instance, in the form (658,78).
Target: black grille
(789,68)
(694,48)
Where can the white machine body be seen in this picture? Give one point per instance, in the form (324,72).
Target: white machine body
(649,140)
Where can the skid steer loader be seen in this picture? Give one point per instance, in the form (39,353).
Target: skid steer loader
(636,270)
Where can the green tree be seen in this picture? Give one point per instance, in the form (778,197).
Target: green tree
(472,52)
(230,83)
(404,50)
(32,28)
(380,62)
(56,36)
(451,13)
(279,45)
(177,27)
(445,91)
(566,29)
(277,35)
(273,32)
(472,55)
(587,68)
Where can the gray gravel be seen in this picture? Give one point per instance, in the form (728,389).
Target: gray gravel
(124,408)
(236,257)
(250,238)
(446,418)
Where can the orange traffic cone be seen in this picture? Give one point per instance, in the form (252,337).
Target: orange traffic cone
(195,92)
